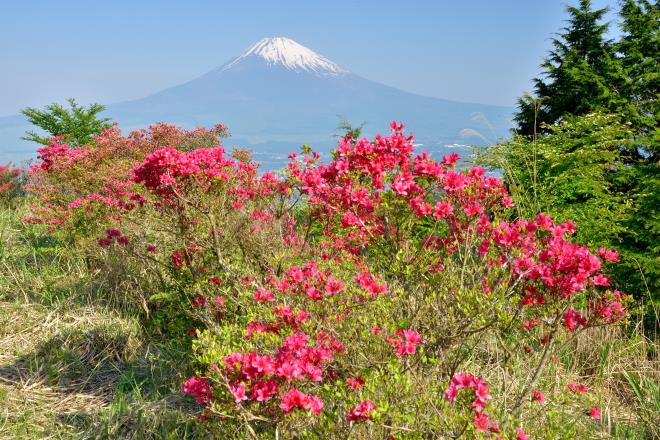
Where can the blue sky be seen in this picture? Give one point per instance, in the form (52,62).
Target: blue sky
(108,51)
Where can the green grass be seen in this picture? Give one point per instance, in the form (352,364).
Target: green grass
(76,360)
(79,358)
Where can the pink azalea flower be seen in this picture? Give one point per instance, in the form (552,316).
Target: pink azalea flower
(263,391)
(199,388)
(520,434)
(355,383)
(577,388)
(238,391)
(482,422)
(361,411)
(263,295)
(537,396)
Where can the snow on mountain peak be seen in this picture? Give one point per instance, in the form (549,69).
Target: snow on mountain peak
(290,54)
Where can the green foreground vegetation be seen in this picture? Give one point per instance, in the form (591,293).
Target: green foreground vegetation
(76,360)
(90,347)
(79,358)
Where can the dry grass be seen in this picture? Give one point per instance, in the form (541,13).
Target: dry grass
(605,357)
(78,349)
(32,410)
(54,363)
(75,359)
(71,372)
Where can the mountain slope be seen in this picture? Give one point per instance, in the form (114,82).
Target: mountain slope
(278,95)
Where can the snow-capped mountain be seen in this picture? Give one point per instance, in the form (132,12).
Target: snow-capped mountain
(286,52)
(278,95)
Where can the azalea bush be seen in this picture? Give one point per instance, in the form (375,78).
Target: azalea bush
(11,184)
(380,295)
(577,170)
(84,195)
(81,188)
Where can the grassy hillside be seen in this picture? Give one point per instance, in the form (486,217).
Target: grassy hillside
(93,339)
(76,360)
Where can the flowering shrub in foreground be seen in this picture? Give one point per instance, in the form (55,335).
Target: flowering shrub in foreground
(346,297)
(10,184)
(79,187)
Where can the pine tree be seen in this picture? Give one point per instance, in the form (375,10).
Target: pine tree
(620,82)
(577,73)
(639,52)
(77,125)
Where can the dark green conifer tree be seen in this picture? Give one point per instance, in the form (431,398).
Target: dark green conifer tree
(639,54)
(576,75)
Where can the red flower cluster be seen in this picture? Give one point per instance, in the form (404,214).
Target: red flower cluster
(577,388)
(199,388)
(405,342)
(309,281)
(56,153)
(161,169)
(111,236)
(8,177)
(99,176)
(353,194)
(295,399)
(351,190)
(464,380)
(572,319)
(295,361)
(370,284)
(355,383)
(361,411)
(537,396)
(609,307)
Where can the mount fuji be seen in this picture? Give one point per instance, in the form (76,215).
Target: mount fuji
(279,95)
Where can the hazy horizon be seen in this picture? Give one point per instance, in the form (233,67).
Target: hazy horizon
(95,54)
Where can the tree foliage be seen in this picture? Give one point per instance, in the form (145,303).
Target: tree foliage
(638,48)
(575,171)
(567,173)
(77,125)
(576,74)
(559,137)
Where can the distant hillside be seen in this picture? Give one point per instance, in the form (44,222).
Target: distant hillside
(278,95)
